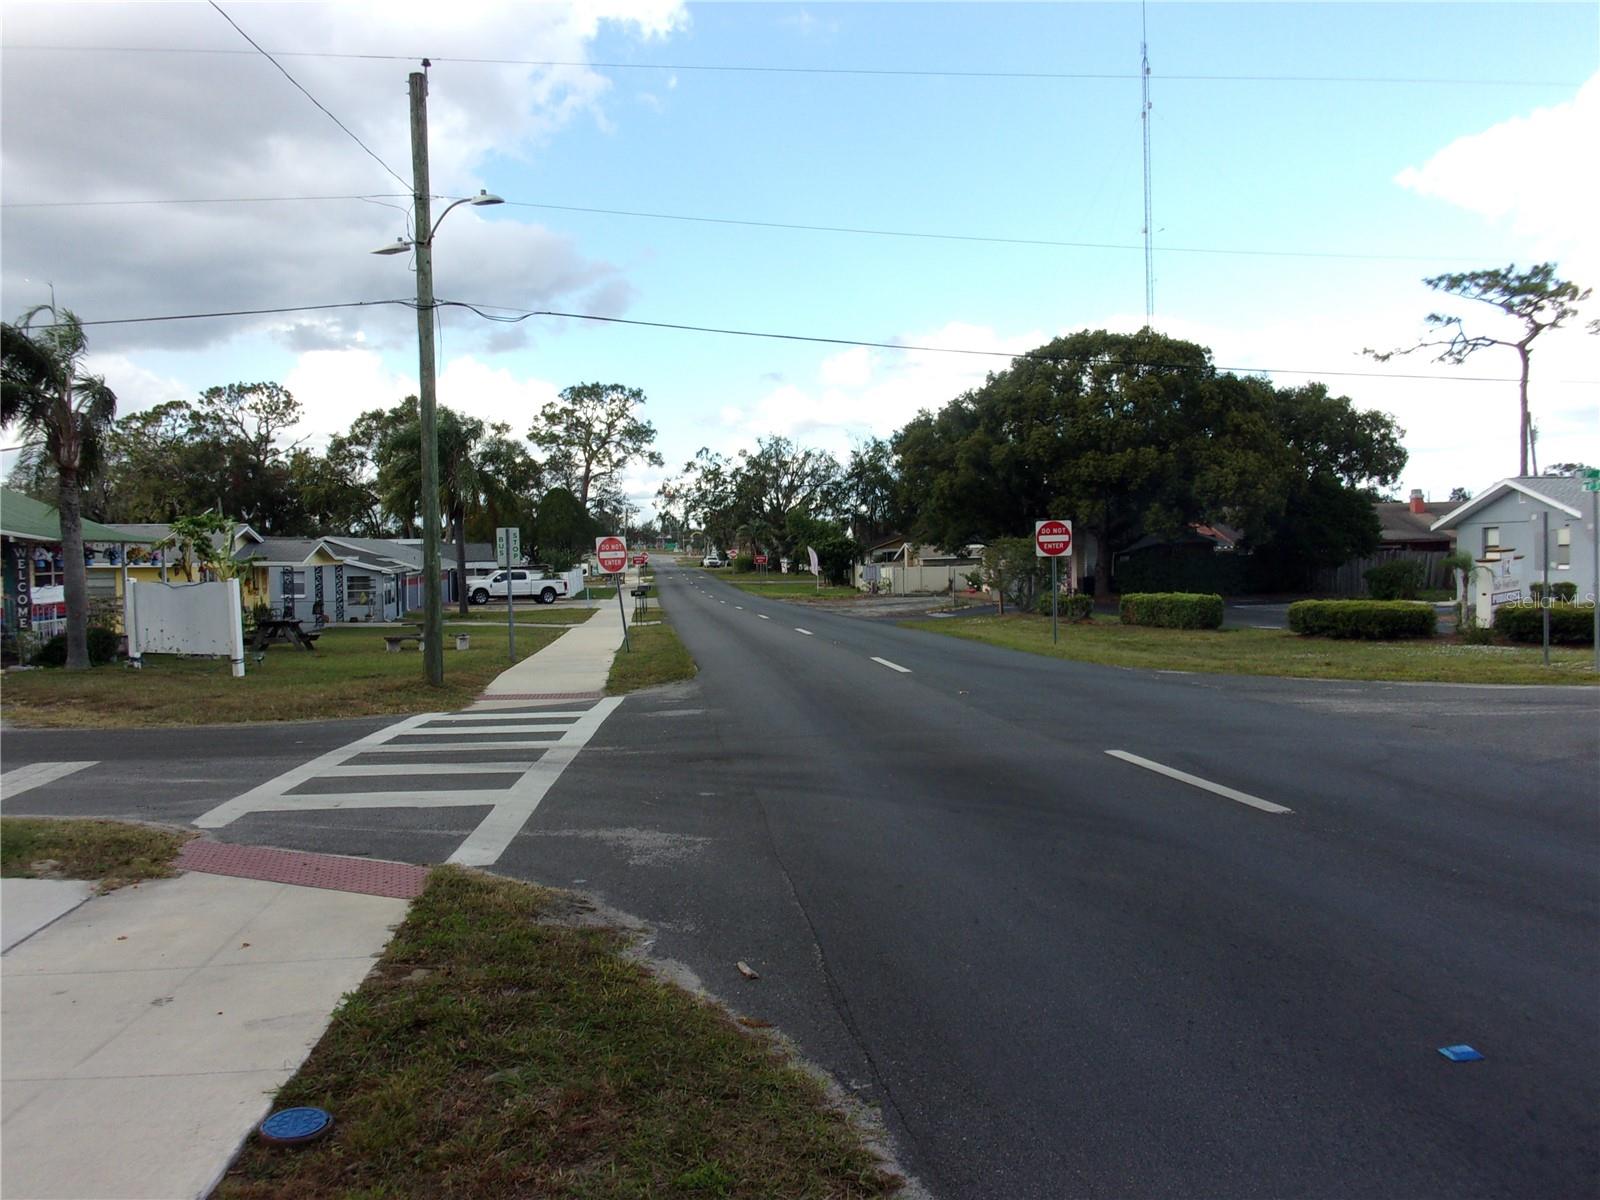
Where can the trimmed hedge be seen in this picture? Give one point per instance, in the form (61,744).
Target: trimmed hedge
(1079,606)
(1558,591)
(1173,610)
(1570,624)
(103,645)
(744,563)
(1374,620)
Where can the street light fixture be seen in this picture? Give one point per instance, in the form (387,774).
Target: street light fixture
(432,599)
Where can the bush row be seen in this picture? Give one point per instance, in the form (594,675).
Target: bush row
(1375,620)
(1398,580)
(1570,624)
(1077,607)
(1558,591)
(103,646)
(1173,610)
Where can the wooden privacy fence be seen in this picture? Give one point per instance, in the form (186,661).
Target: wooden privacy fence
(1349,579)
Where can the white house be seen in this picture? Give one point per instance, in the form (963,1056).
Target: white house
(1502,526)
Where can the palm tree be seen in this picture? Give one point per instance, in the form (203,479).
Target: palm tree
(45,391)
(400,478)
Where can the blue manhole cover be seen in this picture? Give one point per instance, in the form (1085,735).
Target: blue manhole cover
(290,1126)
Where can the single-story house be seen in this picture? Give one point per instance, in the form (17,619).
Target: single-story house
(34,586)
(152,562)
(1502,527)
(1410,524)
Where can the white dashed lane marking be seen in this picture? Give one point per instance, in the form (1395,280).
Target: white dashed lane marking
(1195,781)
(807,632)
(892,666)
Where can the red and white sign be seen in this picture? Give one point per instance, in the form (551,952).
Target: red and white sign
(1052,539)
(639,560)
(761,560)
(612,553)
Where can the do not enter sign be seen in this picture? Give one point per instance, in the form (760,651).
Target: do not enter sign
(1052,539)
(612,552)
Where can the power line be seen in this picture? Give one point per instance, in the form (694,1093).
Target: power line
(758,69)
(518,315)
(199,200)
(965,237)
(307,94)
(239,312)
(854,230)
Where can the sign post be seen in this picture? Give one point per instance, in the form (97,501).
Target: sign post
(612,555)
(1591,484)
(1053,540)
(507,550)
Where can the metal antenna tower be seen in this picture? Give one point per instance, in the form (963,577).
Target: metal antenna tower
(1149,224)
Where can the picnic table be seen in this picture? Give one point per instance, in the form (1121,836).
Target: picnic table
(288,630)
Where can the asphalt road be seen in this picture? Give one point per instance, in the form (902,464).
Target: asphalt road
(1058,972)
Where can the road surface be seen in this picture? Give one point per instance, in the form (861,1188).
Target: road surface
(1052,918)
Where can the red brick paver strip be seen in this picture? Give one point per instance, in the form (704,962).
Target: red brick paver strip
(335,872)
(543,696)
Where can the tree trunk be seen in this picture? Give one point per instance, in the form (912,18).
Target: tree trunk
(1522,352)
(461,562)
(1102,567)
(69,503)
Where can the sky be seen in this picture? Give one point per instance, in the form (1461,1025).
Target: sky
(971,175)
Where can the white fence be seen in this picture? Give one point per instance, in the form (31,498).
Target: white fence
(895,579)
(187,618)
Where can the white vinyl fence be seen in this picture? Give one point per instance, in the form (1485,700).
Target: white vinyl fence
(185,618)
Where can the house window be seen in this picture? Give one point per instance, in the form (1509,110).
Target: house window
(1491,541)
(356,586)
(297,585)
(1564,546)
(48,571)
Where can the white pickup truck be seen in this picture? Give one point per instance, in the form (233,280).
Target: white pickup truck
(535,582)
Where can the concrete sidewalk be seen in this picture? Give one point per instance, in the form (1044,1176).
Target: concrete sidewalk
(144,1033)
(576,664)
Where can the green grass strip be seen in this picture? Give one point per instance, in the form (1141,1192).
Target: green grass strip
(493,1054)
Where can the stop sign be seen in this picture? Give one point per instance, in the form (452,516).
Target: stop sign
(612,553)
(1052,539)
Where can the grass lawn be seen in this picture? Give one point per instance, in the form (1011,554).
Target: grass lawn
(1274,652)
(496,615)
(110,851)
(350,675)
(782,587)
(494,1053)
(657,657)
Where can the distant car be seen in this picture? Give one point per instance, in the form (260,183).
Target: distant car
(711,560)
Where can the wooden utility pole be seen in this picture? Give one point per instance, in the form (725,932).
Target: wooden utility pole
(432,600)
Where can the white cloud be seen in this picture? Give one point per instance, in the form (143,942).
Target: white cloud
(864,392)
(229,125)
(1538,172)
(336,386)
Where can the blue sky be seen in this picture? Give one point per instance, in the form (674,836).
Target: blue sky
(1423,177)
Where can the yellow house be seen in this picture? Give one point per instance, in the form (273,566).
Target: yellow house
(110,564)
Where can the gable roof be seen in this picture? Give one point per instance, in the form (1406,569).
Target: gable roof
(33,520)
(1557,491)
(1400,524)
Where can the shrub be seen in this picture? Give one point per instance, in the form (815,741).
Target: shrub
(744,563)
(1567,592)
(1075,607)
(1375,620)
(103,645)
(1398,580)
(1570,624)
(1173,610)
